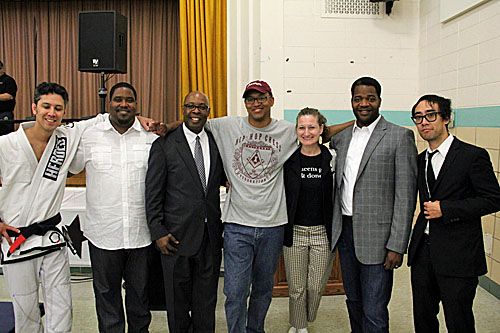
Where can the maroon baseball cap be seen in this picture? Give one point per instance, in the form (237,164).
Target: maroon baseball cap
(260,86)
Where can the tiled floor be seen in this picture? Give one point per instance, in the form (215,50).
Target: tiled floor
(332,316)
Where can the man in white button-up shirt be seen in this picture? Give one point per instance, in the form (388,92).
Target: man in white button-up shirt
(115,155)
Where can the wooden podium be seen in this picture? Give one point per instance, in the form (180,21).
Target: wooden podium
(334,285)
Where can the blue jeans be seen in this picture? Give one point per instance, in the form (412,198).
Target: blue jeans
(367,287)
(250,259)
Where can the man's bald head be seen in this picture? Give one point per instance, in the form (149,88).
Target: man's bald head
(193,93)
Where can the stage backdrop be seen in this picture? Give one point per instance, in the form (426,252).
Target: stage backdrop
(39,42)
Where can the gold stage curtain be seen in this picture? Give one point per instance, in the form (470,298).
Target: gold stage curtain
(39,42)
(203,60)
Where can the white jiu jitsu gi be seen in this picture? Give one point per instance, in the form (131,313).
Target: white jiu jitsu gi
(32,191)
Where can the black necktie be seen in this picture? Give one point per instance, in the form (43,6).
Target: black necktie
(200,164)
(431,178)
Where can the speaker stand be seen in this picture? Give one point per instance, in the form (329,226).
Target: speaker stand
(103,92)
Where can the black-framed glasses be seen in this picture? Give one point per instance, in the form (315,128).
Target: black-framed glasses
(430,117)
(260,99)
(201,107)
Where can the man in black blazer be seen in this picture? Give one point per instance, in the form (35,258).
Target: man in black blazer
(184,217)
(446,253)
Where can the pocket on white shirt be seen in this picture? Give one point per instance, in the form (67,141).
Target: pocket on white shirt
(101,157)
(141,154)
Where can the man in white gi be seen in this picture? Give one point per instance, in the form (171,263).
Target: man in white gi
(114,154)
(34,163)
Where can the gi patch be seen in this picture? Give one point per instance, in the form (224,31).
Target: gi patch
(56,159)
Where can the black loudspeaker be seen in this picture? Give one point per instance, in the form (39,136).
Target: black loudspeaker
(102,42)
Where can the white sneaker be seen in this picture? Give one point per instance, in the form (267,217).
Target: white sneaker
(302,330)
(292,330)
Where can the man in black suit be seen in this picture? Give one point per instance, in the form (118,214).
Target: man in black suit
(183,211)
(456,186)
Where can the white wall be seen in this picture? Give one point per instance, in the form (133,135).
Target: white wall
(243,49)
(255,49)
(450,9)
(325,55)
(461,58)
(410,52)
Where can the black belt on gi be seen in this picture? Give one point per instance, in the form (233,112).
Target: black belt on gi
(38,228)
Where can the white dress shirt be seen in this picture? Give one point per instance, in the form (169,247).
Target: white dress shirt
(191,139)
(116,166)
(360,137)
(437,162)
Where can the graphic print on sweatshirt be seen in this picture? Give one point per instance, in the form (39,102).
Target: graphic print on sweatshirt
(255,157)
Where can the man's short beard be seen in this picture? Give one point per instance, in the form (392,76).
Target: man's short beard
(123,121)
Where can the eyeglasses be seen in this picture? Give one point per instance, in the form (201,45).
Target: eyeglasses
(201,107)
(260,99)
(430,117)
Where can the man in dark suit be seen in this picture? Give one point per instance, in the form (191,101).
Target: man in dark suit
(374,201)
(183,211)
(456,186)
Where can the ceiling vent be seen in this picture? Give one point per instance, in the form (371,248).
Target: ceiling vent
(351,9)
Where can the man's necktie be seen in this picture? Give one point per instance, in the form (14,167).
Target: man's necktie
(200,164)
(431,178)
